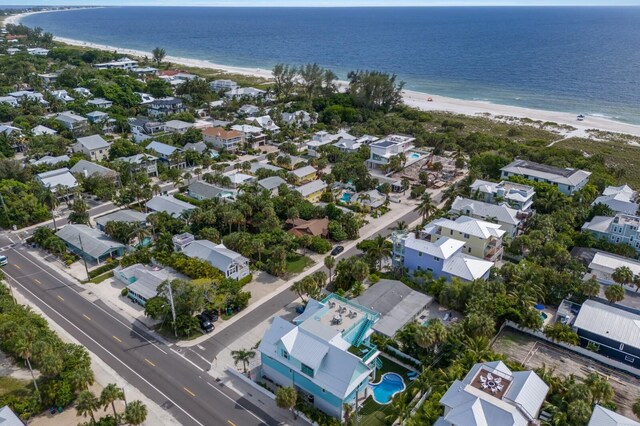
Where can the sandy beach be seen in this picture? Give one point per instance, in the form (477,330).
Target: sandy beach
(423,101)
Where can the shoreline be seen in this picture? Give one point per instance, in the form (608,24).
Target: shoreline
(420,100)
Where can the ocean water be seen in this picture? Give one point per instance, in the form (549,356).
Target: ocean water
(573,59)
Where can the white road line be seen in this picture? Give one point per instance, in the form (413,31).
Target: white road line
(186,359)
(106,350)
(239,405)
(128,326)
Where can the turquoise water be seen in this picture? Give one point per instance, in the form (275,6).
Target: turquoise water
(414,156)
(346,197)
(544,316)
(390,384)
(573,59)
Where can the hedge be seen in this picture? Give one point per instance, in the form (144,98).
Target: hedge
(245,280)
(104,268)
(188,199)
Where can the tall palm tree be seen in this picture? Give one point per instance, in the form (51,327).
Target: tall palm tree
(52,201)
(426,206)
(86,404)
(24,349)
(136,413)
(401,225)
(243,356)
(330,263)
(110,394)
(379,250)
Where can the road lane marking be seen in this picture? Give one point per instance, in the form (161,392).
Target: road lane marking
(118,360)
(37,281)
(231,423)
(189,392)
(87,317)
(17,266)
(60,297)
(127,326)
(120,341)
(149,362)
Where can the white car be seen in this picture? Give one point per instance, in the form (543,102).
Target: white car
(3,260)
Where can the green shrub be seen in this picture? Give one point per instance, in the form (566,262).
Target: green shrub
(104,268)
(188,199)
(124,292)
(319,245)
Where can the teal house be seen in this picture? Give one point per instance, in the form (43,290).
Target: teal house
(325,353)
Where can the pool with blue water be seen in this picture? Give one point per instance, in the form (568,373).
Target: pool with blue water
(387,387)
(346,197)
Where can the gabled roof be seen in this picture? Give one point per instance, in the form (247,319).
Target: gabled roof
(604,417)
(502,213)
(257,166)
(304,171)
(126,215)
(70,117)
(169,204)
(271,182)
(620,199)
(466,267)
(43,130)
(93,142)
(178,124)
(608,321)
(9,418)
(208,190)
(443,248)
(94,243)
(568,176)
(311,187)
(220,133)
(138,158)
(468,225)
(598,224)
(313,227)
(59,177)
(217,255)
(47,159)
(162,148)
(84,166)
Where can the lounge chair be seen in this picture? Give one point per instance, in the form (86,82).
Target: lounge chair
(412,374)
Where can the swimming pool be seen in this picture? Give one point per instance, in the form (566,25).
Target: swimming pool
(544,316)
(346,197)
(387,387)
(414,156)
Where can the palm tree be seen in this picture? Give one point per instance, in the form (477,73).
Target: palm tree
(406,183)
(426,206)
(136,413)
(86,404)
(243,356)
(24,349)
(158,55)
(110,394)
(53,202)
(614,293)
(379,250)
(622,275)
(636,408)
(286,398)
(330,263)
(401,225)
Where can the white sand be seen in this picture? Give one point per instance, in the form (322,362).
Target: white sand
(411,98)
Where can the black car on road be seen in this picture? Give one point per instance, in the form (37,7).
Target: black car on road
(337,250)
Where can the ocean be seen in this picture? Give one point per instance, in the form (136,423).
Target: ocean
(570,59)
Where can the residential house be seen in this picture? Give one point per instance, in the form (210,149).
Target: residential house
(249,92)
(604,417)
(613,331)
(142,128)
(73,122)
(298,118)
(233,265)
(143,281)
(144,70)
(622,228)
(37,51)
(566,180)
(492,394)
(89,243)
(518,196)
(50,77)
(94,146)
(177,126)
(145,98)
(87,169)
(83,91)
(620,199)
(102,118)
(383,150)
(312,228)
(57,179)
(248,110)
(199,147)
(168,204)
(40,130)
(49,160)
(266,123)
(312,191)
(510,220)
(9,418)
(348,143)
(29,95)
(62,96)
(239,179)
(442,258)
(397,304)
(601,264)
(165,106)
(142,162)
(323,138)
(272,184)
(10,130)
(253,135)
(304,174)
(201,190)
(260,165)
(325,354)
(119,64)
(230,140)
(223,85)
(373,199)
(481,239)
(126,215)
(9,100)
(100,103)
(166,154)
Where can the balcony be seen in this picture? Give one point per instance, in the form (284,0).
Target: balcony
(365,352)
(493,252)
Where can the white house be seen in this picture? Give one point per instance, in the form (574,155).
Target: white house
(62,96)
(392,145)
(120,64)
(567,180)
(266,123)
(620,199)
(250,92)
(100,103)
(298,118)
(94,146)
(233,265)
(177,126)
(510,220)
(56,179)
(223,85)
(518,196)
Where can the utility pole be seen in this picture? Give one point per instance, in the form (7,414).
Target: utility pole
(86,268)
(6,212)
(173,310)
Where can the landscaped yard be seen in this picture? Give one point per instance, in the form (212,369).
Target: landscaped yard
(10,385)
(297,263)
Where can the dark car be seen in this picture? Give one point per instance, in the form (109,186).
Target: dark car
(212,316)
(337,250)
(205,324)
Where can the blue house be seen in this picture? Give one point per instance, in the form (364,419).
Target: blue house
(442,258)
(325,353)
(92,244)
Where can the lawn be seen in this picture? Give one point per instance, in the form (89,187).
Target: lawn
(12,385)
(100,278)
(297,263)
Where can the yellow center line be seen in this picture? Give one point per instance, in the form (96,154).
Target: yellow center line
(117,339)
(37,281)
(61,298)
(86,317)
(189,392)
(149,362)
(231,423)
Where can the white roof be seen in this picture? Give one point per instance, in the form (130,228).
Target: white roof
(311,187)
(604,417)
(571,177)
(609,321)
(84,166)
(93,142)
(467,267)
(621,199)
(598,224)
(444,248)
(502,213)
(57,178)
(169,204)
(217,255)
(304,171)
(9,418)
(47,159)
(42,130)
(468,225)
(178,124)
(608,263)
(247,128)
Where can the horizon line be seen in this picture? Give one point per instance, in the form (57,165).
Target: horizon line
(582,6)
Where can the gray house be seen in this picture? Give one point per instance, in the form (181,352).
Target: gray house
(92,244)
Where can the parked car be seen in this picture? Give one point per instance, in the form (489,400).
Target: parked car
(3,260)
(205,324)
(337,250)
(212,316)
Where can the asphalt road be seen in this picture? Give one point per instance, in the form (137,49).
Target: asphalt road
(160,372)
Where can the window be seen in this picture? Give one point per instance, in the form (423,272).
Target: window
(621,346)
(437,259)
(419,254)
(285,354)
(466,236)
(469,249)
(307,370)
(629,358)
(450,231)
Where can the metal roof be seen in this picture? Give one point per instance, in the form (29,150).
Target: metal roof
(94,243)
(162,148)
(609,322)
(217,255)
(566,176)
(271,182)
(93,142)
(444,248)
(169,204)
(311,187)
(468,225)
(122,216)
(604,417)
(84,166)
(9,418)
(55,178)
(501,213)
